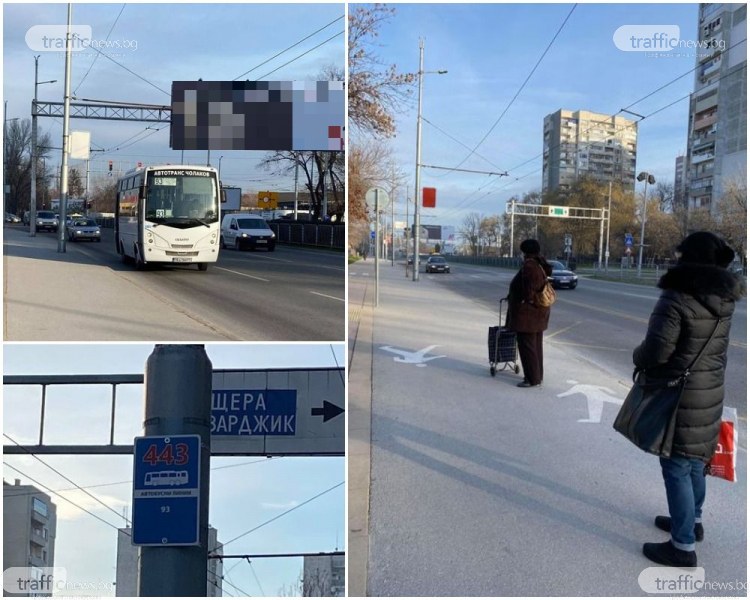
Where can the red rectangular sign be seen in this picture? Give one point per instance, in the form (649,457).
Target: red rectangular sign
(428,197)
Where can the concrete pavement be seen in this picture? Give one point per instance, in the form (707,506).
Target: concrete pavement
(41,285)
(479,488)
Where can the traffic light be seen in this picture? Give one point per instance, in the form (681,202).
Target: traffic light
(110,166)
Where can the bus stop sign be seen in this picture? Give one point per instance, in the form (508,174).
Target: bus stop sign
(166,490)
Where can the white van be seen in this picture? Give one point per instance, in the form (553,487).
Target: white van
(246,230)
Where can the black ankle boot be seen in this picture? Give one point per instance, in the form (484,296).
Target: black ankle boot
(667,554)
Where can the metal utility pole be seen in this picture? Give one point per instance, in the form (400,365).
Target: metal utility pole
(377,246)
(178,401)
(393,227)
(415,273)
(609,217)
(35,148)
(66,136)
(296,184)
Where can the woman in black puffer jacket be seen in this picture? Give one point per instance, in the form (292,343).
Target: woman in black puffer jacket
(697,293)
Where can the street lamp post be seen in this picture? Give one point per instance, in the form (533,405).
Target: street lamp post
(421,73)
(35,149)
(222,156)
(646,178)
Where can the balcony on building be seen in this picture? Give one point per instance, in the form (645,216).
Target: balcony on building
(698,158)
(701,122)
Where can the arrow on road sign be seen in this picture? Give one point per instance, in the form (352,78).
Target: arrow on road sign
(328,412)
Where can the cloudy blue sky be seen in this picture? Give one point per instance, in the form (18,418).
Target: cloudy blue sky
(245,491)
(489,50)
(162,43)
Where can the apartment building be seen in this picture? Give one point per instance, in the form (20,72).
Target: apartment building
(717,128)
(29,529)
(578,143)
(324,576)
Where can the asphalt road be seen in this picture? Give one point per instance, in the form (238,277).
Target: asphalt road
(291,294)
(600,321)
(480,488)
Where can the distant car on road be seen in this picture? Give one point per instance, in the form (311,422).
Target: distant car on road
(84,229)
(562,276)
(46,219)
(11,218)
(437,264)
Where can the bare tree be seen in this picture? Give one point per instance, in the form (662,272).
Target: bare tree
(664,193)
(18,164)
(104,196)
(731,214)
(313,168)
(75,185)
(470,231)
(375,90)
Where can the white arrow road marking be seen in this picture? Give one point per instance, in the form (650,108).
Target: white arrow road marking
(413,358)
(596,396)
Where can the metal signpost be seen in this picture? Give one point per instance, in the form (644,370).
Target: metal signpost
(375,196)
(166,484)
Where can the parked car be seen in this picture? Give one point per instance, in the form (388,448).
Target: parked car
(562,276)
(46,219)
(11,218)
(437,264)
(84,229)
(243,230)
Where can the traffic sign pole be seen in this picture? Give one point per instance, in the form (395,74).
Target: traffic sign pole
(178,403)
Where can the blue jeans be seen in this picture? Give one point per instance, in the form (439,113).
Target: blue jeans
(686,491)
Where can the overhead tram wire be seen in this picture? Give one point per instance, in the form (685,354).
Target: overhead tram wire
(303,54)
(523,85)
(44,487)
(289,48)
(631,105)
(97,517)
(277,517)
(448,135)
(594,124)
(153,85)
(93,62)
(66,478)
(665,107)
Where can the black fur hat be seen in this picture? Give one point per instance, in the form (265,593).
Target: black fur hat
(704,247)
(530,247)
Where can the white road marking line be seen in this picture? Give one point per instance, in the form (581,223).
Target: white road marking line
(331,297)
(242,274)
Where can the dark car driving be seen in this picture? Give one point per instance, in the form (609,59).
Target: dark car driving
(562,276)
(437,264)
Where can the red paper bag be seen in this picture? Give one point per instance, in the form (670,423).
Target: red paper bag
(724,462)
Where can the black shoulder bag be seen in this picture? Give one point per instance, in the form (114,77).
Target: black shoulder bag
(648,414)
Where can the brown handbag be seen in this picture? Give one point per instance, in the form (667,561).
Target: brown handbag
(546,296)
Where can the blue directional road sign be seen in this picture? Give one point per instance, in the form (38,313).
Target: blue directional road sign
(166,496)
(628,239)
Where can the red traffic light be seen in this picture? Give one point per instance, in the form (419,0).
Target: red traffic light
(110,165)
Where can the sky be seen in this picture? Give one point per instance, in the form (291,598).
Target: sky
(162,43)
(488,51)
(245,491)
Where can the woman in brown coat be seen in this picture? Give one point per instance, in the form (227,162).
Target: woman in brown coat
(525,317)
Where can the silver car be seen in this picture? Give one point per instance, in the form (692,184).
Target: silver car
(84,229)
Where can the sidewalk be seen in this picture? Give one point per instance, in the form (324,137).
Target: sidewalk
(360,291)
(480,488)
(52,296)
